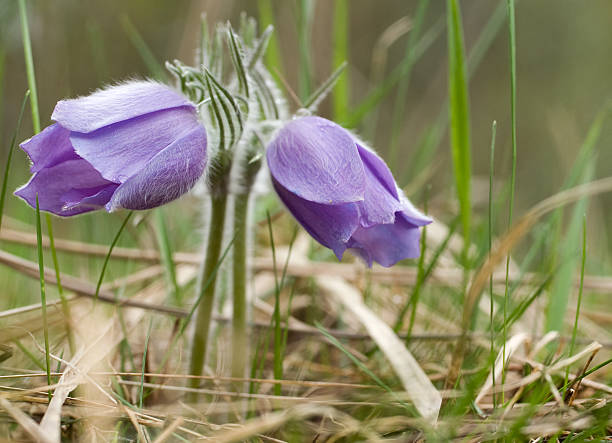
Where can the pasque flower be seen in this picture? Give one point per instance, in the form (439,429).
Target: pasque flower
(342,193)
(137,145)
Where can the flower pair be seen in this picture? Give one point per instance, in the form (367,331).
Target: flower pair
(140,145)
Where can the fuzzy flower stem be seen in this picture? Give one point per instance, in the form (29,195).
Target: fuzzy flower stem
(251,164)
(239,324)
(206,287)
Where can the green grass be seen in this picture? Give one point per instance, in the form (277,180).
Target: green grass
(490,242)
(512,57)
(341,29)
(399,109)
(278,337)
(9,157)
(43,295)
(304,22)
(579,302)
(459,117)
(429,141)
(150,60)
(273,54)
(108,254)
(582,171)
(165,247)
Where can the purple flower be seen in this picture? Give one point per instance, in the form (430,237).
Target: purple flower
(134,146)
(342,193)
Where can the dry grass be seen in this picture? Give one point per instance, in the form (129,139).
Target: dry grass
(325,397)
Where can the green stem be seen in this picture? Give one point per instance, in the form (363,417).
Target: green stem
(60,288)
(29,62)
(239,273)
(31,76)
(43,295)
(512,41)
(206,287)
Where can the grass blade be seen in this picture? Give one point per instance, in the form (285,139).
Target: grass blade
(562,285)
(420,273)
(110,251)
(60,288)
(305,14)
(29,62)
(334,341)
(10,155)
(2,75)
(419,388)
(580,164)
(278,338)
(341,54)
(490,238)
(144,365)
(312,102)
(399,322)
(31,76)
(582,172)
(43,295)
(273,55)
(146,54)
(400,101)
(579,303)
(512,43)
(383,89)
(432,137)
(192,311)
(163,241)
(459,116)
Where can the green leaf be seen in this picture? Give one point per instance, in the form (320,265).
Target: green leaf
(341,56)
(10,155)
(459,116)
(153,65)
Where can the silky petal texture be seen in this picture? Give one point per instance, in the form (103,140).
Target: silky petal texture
(330,225)
(380,203)
(386,244)
(95,198)
(52,184)
(317,160)
(411,214)
(116,104)
(383,199)
(167,176)
(379,169)
(49,148)
(121,150)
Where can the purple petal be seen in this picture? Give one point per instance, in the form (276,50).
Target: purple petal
(411,214)
(380,203)
(386,244)
(116,104)
(94,198)
(71,179)
(379,169)
(121,150)
(318,161)
(330,225)
(167,176)
(50,147)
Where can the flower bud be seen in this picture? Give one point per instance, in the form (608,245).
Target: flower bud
(342,193)
(137,145)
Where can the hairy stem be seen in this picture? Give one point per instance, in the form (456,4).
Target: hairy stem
(239,325)
(206,288)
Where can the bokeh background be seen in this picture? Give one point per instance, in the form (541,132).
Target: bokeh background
(564,72)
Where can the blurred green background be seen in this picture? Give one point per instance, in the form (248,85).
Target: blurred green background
(564,70)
